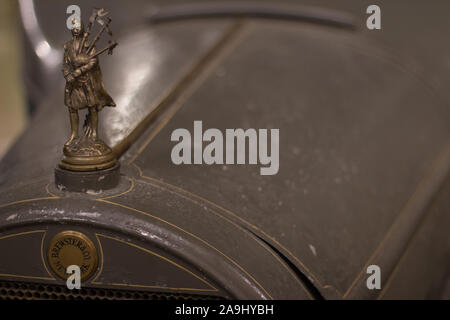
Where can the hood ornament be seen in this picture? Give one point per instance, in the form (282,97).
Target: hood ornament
(85,155)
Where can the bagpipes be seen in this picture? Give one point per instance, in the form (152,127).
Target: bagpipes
(99,16)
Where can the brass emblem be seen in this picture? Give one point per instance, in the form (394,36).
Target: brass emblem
(72,248)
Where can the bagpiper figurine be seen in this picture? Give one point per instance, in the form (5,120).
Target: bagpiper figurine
(84,89)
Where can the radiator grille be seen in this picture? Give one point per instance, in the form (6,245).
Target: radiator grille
(12,290)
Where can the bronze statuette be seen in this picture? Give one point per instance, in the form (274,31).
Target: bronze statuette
(84,90)
(85,155)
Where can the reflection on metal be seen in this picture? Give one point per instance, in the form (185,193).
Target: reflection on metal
(49,56)
(252,10)
(150,68)
(217,47)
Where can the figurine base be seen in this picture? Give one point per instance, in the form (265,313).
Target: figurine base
(87,181)
(85,154)
(88,164)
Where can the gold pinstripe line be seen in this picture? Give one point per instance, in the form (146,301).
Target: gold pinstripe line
(327,286)
(165,259)
(102,259)
(399,217)
(27,200)
(48,191)
(192,235)
(236,31)
(121,194)
(152,287)
(242,229)
(23,276)
(20,234)
(42,255)
(405,254)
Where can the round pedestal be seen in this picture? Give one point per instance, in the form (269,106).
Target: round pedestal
(84,154)
(87,181)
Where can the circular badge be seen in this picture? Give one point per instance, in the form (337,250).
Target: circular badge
(72,248)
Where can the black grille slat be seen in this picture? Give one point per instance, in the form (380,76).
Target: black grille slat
(12,290)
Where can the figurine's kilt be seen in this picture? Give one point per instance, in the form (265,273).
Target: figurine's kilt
(87,91)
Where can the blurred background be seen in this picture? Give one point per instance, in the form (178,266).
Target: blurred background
(13,115)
